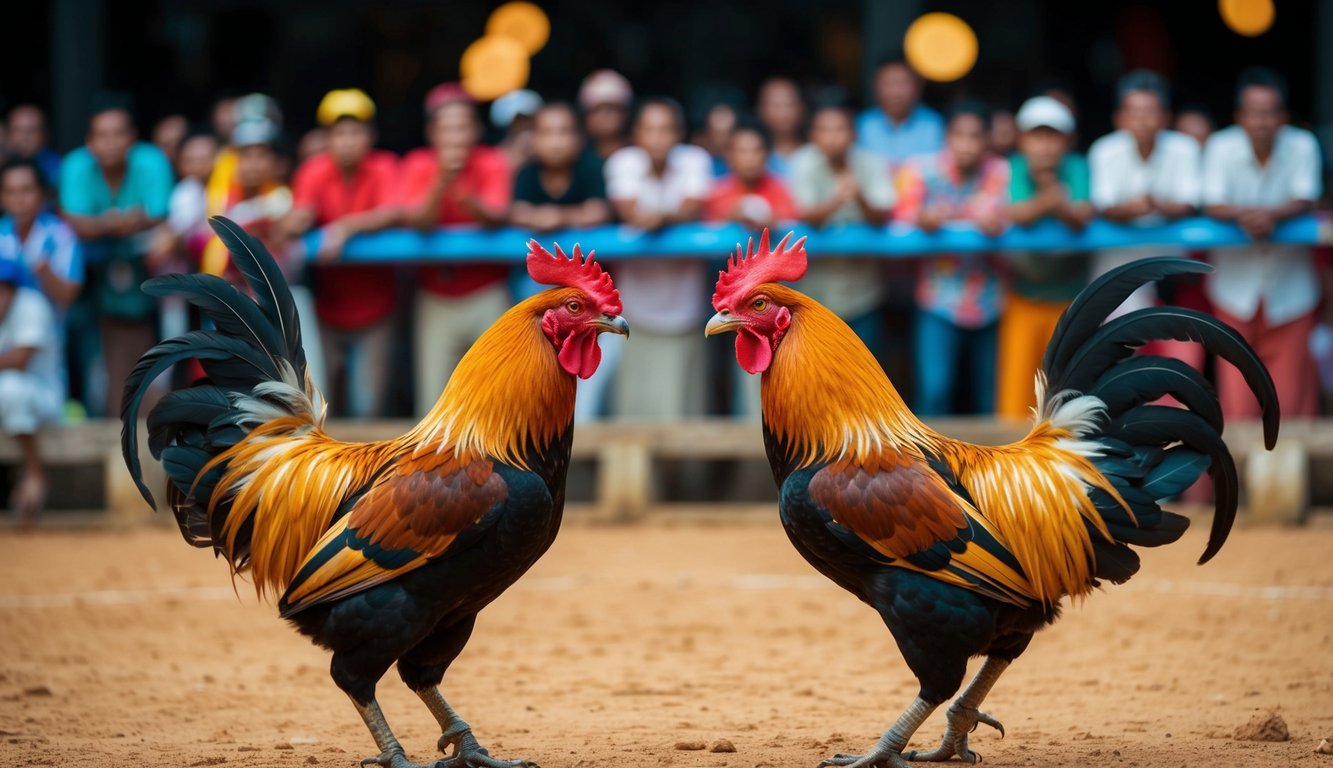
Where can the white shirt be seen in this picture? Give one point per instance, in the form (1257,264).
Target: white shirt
(669,296)
(1280,278)
(30,323)
(1119,173)
(849,287)
(189,207)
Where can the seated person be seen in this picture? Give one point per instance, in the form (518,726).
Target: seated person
(29,381)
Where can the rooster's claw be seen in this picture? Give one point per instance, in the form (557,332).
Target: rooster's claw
(467,753)
(962,721)
(878,759)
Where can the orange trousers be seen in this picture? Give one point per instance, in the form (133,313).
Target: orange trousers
(1285,349)
(1025,328)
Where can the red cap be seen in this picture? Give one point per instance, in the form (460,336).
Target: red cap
(444,93)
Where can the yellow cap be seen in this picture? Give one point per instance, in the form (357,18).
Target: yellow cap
(349,102)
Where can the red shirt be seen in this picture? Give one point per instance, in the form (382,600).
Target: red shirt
(728,191)
(348,297)
(484,176)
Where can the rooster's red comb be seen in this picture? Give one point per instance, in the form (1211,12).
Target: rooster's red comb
(577,272)
(748,269)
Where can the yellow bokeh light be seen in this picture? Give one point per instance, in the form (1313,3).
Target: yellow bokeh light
(522,21)
(941,47)
(493,66)
(1250,18)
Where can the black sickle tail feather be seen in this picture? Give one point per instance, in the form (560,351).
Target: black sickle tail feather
(253,341)
(1152,452)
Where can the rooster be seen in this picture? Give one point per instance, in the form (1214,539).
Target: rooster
(386,551)
(967,550)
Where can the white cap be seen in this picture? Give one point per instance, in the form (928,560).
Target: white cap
(513,104)
(1040,111)
(605,86)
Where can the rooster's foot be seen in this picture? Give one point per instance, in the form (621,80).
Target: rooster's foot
(396,759)
(962,721)
(875,759)
(467,753)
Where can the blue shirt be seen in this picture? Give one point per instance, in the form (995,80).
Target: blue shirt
(50,240)
(922,133)
(780,165)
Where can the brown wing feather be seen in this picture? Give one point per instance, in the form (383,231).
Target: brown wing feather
(897,504)
(901,507)
(410,516)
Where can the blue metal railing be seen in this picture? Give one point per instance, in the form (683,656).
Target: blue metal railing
(614,243)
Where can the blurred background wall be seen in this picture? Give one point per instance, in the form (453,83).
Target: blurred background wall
(179,55)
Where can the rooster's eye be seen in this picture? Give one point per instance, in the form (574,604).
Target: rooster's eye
(759,305)
(574,307)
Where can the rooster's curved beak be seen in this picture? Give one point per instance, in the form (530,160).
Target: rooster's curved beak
(612,324)
(722,322)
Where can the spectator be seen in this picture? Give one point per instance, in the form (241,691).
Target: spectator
(313,142)
(114,191)
(1047,180)
(223,117)
(1003,133)
(345,191)
(1195,122)
(1143,173)
(958,296)
(605,98)
(555,191)
(835,182)
(29,381)
(186,228)
(751,195)
(256,199)
(26,138)
(560,189)
(782,112)
(46,250)
(453,181)
(754,197)
(714,134)
(899,126)
(656,182)
(168,134)
(512,113)
(177,245)
(228,114)
(1259,173)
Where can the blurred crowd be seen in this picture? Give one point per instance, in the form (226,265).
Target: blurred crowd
(960,333)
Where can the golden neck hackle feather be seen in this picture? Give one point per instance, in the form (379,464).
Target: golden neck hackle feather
(507,396)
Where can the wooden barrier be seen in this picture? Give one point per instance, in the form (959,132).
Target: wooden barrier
(1275,486)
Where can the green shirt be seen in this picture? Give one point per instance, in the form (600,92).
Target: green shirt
(1057,276)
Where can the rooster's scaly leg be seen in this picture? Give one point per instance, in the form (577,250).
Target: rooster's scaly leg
(391,752)
(888,751)
(455,732)
(964,717)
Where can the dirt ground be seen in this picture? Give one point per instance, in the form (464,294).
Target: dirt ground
(130,649)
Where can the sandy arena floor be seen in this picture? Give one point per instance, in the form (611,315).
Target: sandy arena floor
(130,649)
